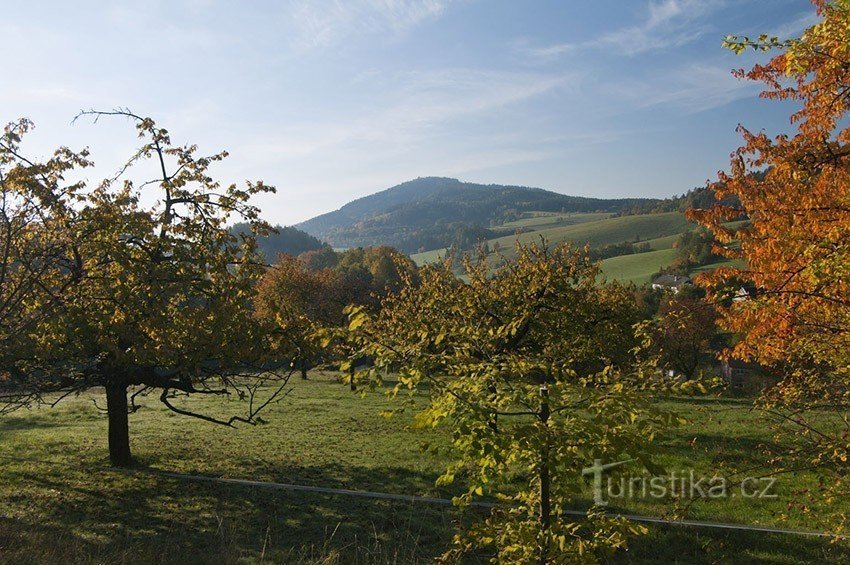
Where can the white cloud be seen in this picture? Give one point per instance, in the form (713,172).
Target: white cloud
(331,22)
(666,24)
(694,88)
(423,102)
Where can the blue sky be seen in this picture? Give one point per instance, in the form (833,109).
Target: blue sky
(332,100)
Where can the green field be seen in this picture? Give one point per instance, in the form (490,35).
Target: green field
(542,220)
(603,232)
(661,230)
(60,501)
(637,268)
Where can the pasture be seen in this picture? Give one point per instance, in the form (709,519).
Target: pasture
(660,230)
(60,500)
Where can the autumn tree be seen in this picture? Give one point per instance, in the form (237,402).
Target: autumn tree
(299,302)
(795,190)
(317,259)
(530,366)
(38,267)
(683,333)
(302,299)
(163,292)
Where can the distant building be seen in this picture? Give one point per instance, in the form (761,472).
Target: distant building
(672,283)
(745,292)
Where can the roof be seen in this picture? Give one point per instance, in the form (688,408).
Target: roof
(673,281)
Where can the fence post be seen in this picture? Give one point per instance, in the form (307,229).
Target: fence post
(543,476)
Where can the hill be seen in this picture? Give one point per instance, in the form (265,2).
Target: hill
(435,212)
(287,240)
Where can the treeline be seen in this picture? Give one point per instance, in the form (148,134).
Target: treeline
(699,198)
(694,248)
(617,249)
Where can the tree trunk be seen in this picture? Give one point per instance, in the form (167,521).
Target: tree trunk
(119,426)
(303,366)
(543,477)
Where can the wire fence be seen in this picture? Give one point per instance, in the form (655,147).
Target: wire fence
(435,500)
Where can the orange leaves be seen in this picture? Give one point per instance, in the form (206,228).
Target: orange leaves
(795,190)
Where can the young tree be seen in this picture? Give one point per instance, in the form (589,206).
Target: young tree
(531,367)
(795,190)
(164,295)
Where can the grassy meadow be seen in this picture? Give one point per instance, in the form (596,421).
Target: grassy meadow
(60,500)
(639,267)
(659,230)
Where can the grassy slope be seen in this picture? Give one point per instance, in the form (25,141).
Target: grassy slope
(602,232)
(658,228)
(637,268)
(540,220)
(77,509)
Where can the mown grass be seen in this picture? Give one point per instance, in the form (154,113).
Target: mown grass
(639,267)
(541,220)
(60,501)
(581,229)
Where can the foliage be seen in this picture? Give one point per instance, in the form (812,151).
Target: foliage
(797,246)
(38,266)
(380,269)
(532,368)
(163,295)
(683,333)
(302,301)
(694,248)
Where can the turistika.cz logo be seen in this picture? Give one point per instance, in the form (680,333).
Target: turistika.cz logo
(684,484)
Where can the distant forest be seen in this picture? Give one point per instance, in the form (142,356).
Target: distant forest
(287,240)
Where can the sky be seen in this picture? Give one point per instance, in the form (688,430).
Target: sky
(330,100)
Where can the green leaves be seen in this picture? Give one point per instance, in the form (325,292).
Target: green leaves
(481,351)
(764,42)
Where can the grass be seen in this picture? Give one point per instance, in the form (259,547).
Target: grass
(602,232)
(639,267)
(661,230)
(64,503)
(540,220)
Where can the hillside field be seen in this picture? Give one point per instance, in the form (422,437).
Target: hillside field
(660,230)
(60,501)
(639,267)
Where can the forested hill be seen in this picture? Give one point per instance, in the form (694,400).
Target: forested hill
(433,212)
(287,240)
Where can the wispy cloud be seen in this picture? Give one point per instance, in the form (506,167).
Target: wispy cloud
(797,25)
(330,22)
(422,102)
(666,24)
(695,88)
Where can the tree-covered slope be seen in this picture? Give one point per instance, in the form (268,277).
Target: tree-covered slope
(427,213)
(287,240)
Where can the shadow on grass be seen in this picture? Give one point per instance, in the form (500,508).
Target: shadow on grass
(135,516)
(96,514)
(713,401)
(736,453)
(14,423)
(678,544)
